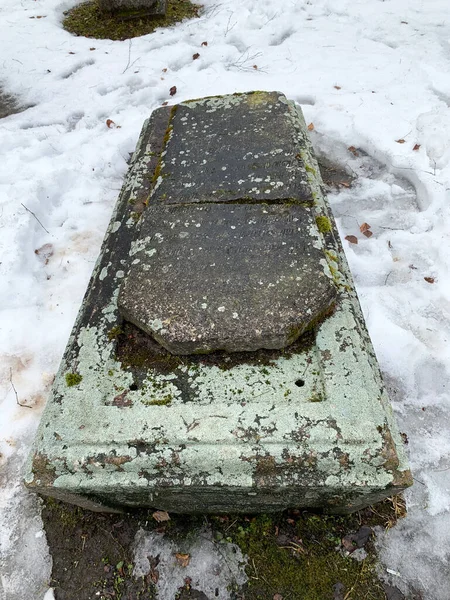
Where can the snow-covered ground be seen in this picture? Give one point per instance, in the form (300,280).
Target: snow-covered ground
(369,74)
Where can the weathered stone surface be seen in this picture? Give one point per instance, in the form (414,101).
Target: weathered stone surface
(151,7)
(258,431)
(219,277)
(239,147)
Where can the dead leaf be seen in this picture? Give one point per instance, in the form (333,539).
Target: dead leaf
(91,49)
(164,70)
(173,90)
(404,22)
(364,227)
(337,87)
(161,516)
(71,52)
(368,233)
(110,123)
(344,184)
(311,127)
(400,141)
(45,252)
(204,43)
(278,597)
(255,66)
(352,239)
(429,279)
(164,104)
(183,559)
(195,56)
(416,147)
(353,150)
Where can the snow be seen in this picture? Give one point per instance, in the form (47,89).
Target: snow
(213,567)
(368,74)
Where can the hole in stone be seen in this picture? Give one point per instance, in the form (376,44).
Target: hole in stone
(300,382)
(133,387)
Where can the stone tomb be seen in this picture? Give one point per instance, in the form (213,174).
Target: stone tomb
(142,7)
(220,361)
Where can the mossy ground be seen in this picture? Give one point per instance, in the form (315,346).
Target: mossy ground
(87,20)
(296,554)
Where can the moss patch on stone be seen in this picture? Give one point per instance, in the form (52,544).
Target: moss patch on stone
(323,224)
(87,20)
(73,379)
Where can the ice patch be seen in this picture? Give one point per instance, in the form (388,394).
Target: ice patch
(214,567)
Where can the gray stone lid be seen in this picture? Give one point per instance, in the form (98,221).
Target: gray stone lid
(228,255)
(226,277)
(225,148)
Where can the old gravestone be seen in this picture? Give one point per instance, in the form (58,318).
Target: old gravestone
(147,7)
(220,360)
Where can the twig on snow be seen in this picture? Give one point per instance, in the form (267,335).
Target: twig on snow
(32,213)
(15,391)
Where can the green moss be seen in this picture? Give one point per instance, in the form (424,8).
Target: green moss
(114,333)
(87,20)
(160,402)
(310,169)
(73,379)
(323,224)
(299,558)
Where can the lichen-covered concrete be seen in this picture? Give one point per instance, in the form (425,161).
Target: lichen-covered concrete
(127,424)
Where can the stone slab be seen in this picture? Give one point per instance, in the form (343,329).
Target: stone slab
(244,147)
(150,7)
(210,277)
(129,424)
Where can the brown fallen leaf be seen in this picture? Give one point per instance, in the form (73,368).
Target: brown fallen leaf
(337,87)
(416,147)
(183,559)
(204,43)
(161,516)
(173,90)
(255,66)
(164,104)
(195,56)
(311,127)
(352,239)
(71,52)
(164,70)
(429,279)
(353,150)
(45,252)
(367,233)
(364,227)
(400,141)
(91,49)
(110,123)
